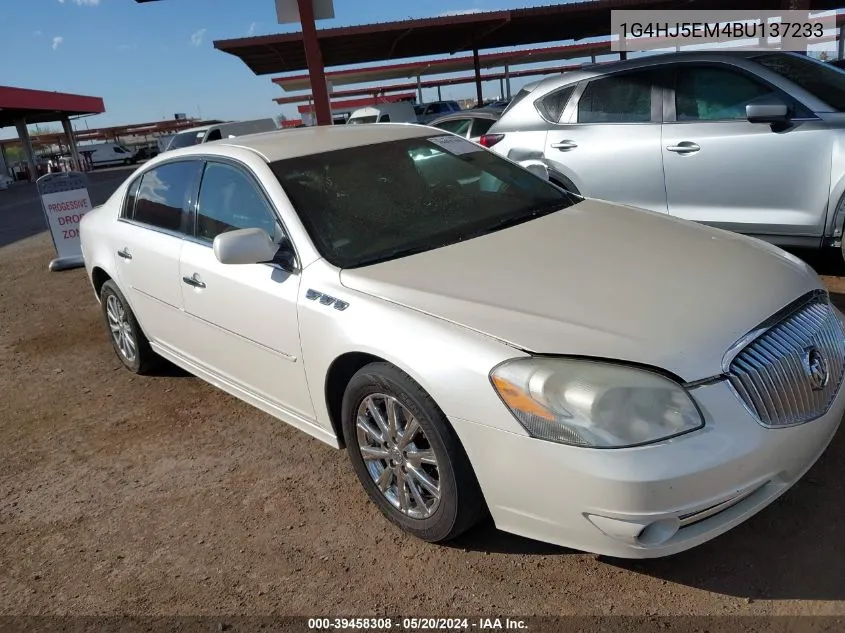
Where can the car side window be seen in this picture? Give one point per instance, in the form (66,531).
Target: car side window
(164,194)
(129,203)
(480,126)
(456,126)
(551,106)
(384,118)
(709,93)
(229,200)
(624,98)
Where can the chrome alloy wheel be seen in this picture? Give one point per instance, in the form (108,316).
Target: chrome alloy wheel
(121,329)
(398,455)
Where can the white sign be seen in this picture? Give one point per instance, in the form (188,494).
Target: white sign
(287,11)
(455,144)
(64,210)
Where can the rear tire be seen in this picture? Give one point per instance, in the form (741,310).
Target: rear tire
(416,470)
(127,338)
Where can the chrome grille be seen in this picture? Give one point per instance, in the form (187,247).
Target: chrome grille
(779,373)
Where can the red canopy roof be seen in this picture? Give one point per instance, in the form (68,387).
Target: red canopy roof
(40,106)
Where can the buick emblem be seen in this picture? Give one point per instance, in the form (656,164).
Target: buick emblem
(815,366)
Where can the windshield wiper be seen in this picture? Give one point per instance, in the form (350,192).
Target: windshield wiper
(510,221)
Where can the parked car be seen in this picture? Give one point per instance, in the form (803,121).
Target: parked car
(5,181)
(105,154)
(429,111)
(217,131)
(838,63)
(476,337)
(745,141)
(471,124)
(398,112)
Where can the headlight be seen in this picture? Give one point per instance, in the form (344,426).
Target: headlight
(594,404)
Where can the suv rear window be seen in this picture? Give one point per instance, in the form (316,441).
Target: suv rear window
(519,97)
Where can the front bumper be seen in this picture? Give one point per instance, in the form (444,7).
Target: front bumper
(647,501)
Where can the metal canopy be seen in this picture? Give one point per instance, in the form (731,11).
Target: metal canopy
(435,36)
(442,66)
(40,106)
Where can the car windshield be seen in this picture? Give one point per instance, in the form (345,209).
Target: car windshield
(186,139)
(362,119)
(369,204)
(821,80)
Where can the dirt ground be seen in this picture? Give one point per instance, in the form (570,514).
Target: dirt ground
(163,496)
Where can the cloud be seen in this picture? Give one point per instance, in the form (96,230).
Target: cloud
(83,3)
(57,41)
(196,38)
(37,33)
(459,12)
(127,47)
(251,30)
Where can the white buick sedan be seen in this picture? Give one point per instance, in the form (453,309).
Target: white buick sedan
(479,340)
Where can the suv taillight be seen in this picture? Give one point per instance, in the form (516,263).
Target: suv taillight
(489,140)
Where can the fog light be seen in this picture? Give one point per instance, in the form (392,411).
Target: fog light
(644,532)
(659,532)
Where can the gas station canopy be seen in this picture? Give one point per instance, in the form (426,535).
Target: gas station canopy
(451,34)
(446,65)
(41,106)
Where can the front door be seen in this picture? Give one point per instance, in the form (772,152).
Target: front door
(753,178)
(244,317)
(608,142)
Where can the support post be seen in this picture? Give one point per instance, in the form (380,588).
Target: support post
(314,58)
(623,54)
(840,42)
(419,90)
(439,97)
(501,88)
(71,143)
(26,143)
(508,81)
(477,64)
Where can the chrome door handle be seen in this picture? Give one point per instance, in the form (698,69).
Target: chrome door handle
(565,145)
(194,281)
(124,253)
(683,148)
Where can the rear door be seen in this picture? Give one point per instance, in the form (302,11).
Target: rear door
(147,244)
(606,138)
(755,178)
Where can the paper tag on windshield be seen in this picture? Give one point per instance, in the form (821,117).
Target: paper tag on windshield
(455,144)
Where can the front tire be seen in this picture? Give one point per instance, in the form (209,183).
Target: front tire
(128,340)
(407,457)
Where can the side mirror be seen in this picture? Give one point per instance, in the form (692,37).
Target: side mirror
(251,246)
(536,167)
(767,111)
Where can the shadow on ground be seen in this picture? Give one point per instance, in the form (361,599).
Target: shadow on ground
(21,214)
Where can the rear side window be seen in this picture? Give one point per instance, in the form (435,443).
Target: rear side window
(164,194)
(480,126)
(214,135)
(455,126)
(384,118)
(551,106)
(622,98)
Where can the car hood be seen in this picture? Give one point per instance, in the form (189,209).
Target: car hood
(601,280)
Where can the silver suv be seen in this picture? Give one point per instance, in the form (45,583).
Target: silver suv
(752,142)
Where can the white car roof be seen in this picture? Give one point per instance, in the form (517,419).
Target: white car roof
(282,144)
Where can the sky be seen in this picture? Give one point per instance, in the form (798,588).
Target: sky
(150,61)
